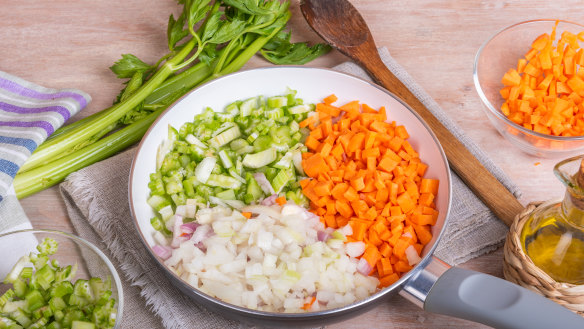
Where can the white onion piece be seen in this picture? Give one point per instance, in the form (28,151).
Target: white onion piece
(412,255)
(264,184)
(235,203)
(176,232)
(201,233)
(346,230)
(355,249)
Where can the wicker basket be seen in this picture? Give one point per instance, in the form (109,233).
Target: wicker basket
(519,269)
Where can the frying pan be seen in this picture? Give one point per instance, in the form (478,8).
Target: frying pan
(431,284)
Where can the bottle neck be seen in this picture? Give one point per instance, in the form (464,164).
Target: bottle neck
(573,209)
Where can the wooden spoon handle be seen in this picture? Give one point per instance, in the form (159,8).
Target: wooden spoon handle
(488,188)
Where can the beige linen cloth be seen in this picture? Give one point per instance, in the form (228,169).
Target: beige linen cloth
(97,202)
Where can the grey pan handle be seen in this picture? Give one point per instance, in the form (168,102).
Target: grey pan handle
(495,302)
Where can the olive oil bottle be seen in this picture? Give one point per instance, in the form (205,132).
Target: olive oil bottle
(553,237)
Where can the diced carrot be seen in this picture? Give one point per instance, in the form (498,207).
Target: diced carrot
(330,99)
(246,214)
(384,267)
(544,93)
(387,281)
(281,200)
(308,305)
(371,255)
(366,174)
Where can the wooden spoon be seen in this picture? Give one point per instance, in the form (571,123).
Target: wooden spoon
(341,25)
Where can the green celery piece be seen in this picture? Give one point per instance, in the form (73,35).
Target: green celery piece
(226,136)
(247,106)
(262,143)
(61,289)
(57,304)
(20,317)
(281,179)
(6,296)
(82,325)
(45,276)
(226,195)
(65,273)
(223,181)
(253,188)
(277,102)
(54,325)
(40,323)
(34,300)
(16,269)
(20,287)
(48,246)
(260,159)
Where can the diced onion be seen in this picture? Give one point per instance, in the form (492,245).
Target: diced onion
(355,249)
(412,255)
(162,251)
(275,261)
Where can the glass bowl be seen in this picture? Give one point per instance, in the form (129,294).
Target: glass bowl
(71,250)
(497,55)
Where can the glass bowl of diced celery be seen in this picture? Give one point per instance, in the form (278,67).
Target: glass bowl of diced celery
(51,279)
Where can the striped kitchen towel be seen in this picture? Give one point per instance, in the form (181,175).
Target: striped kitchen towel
(29,114)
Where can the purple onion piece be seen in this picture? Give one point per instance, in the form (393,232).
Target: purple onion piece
(162,251)
(363,267)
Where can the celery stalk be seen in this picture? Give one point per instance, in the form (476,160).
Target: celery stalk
(40,178)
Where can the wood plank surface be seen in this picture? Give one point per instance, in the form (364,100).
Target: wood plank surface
(61,43)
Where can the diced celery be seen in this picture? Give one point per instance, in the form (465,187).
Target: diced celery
(16,269)
(6,297)
(34,300)
(158,202)
(238,144)
(223,181)
(248,106)
(226,195)
(156,185)
(57,304)
(285,162)
(191,139)
(300,109)
(204,169)
(40,323)
(226,136)
(45,276)
(281,180)
(82,325)
(252,137)
(260,159)
(275,113)
(232,108)
(253,189)
(261,143)
(277,101)
(294,126)
(227,163)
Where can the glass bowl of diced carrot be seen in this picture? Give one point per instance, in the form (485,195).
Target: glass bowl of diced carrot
(530,78)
